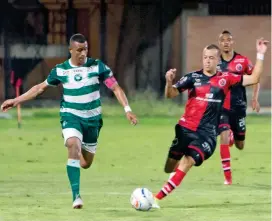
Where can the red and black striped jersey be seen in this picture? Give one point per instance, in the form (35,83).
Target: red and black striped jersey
(205,99)
(236,98)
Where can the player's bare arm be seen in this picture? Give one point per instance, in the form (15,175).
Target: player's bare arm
(122,98)
(170,91)
(261,47)
(254,102)
(29,95)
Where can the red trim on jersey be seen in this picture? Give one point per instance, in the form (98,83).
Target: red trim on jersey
(197,150)
(177,153)
(224,125)
(242,133)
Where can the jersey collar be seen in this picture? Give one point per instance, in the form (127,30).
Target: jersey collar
(74,66)
(234,54)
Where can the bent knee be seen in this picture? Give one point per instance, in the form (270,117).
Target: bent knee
(170,165)
(168,169)
(240,145)
(85,165)
(74,147)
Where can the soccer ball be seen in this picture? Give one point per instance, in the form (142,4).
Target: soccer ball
(141,199)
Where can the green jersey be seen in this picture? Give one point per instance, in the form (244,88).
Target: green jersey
(81,88)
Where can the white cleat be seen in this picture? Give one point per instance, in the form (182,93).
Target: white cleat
(155,203)
(226,182)
(78,203)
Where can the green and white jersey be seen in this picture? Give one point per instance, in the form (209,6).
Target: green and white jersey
(81,86)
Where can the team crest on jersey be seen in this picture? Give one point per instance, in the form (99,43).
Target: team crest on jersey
(238,67)
(78,77)
(222,82)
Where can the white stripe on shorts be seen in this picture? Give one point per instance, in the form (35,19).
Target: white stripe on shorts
(90,147)
(71,132)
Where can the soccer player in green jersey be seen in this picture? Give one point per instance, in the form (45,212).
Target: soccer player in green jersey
(80,107)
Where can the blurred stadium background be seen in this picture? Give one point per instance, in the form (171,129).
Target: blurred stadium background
(138,39)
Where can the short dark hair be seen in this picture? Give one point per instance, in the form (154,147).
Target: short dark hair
(226,32)
(78,38)
(213,46)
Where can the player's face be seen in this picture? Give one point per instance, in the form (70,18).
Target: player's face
(79,52)
(226,43)
(210,60)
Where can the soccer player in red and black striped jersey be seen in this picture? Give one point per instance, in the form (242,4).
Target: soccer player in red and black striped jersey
(232,121)
(197,129)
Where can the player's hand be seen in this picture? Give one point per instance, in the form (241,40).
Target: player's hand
(261,45)
(132,118)
(8,104)
(170,75)
(255,105)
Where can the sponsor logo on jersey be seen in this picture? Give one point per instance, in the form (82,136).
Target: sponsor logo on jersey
(222,82)
(239,60)
(197,84)
(78,70)
(238,67)
(195,75)
(183,79)
(66,72)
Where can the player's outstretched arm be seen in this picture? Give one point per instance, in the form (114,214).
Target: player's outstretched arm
(29,95)
(170,91)
(122,98)
(258,68)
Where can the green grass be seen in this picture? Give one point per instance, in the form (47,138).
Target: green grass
(34,185)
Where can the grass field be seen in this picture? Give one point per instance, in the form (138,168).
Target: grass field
(34,185)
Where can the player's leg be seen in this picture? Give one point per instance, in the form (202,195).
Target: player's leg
(175,153)
(72,134)
(174,156)
(224,130)
(86,158)
(196,152)
(89,145)
(239,131)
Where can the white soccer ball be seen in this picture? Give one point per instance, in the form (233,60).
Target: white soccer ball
(141,199)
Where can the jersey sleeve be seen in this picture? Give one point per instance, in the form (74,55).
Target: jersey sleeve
(104,71)
(106,75)
(184,83)
(249,67)
(234,79)
(52,78)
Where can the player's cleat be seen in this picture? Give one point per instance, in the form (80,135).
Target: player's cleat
(228,182)
(78,203)
(231,138)
(155,203)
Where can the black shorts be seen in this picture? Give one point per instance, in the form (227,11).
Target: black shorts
(236,122)
(198,145)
